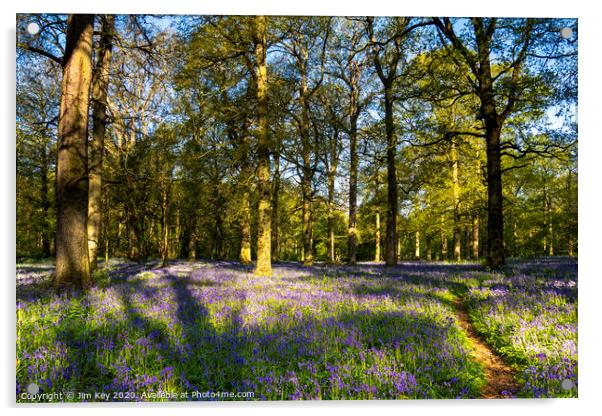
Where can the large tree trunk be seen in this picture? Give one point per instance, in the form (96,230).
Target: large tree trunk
(72,266)
(264,260)
(391,230)
(353,166)
(100,84)
(496,256)
(306,173)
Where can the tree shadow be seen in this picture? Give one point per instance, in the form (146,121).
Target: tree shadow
(209,339)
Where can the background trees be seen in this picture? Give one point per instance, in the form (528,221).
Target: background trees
(262,138)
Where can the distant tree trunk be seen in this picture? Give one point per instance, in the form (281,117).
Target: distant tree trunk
(417,246)
(353,166)
(264,251)
(475,237)
(443,238)
(244,184)
(332,171)
(106,226)
(45,203)
(570,242)
(164,227)
(192,239)
(429,251)
(133,242)
(377,237)
(456,200)
(275,206)
(100,84)
(550,227)
(391,229)
(245,244)
(72,265)
(468,241)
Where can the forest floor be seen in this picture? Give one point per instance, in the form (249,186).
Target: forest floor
(418,330)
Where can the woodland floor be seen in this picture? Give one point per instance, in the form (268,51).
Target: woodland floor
(419,330)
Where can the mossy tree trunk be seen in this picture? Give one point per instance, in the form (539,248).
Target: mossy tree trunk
(264,252)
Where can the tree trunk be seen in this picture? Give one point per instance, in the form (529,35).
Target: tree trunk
(264,251)
(550,229)
(443,238)
(275,206)
(334,157)
(353,166)
(456,200)
(100,84)
(429,251)
(45,203)
(377,237)
(245,184)
(245,244)
(192,239)
(164,227)
(391,229)
(72,266)
(496,256)
(133,232)
(417,246)
(475,237)
(306,173)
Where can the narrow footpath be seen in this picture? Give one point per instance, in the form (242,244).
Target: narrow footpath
(499,376)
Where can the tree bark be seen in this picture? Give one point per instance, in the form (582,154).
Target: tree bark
(443,239)
(496,255)
(391,229)
(377,237)
(306,172)
(475,237)
(332,171)
(275,206)
(353,167)
(456,200)
(164,227)
(264,260)
(417,246)
(72,265)
(45,203)
(192,239)
(100,84)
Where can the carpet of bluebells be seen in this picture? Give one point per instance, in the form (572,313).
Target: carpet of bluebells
(322,332)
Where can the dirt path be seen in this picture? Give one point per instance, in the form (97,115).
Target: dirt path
(499,376)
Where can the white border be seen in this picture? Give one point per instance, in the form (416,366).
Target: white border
(590,204)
